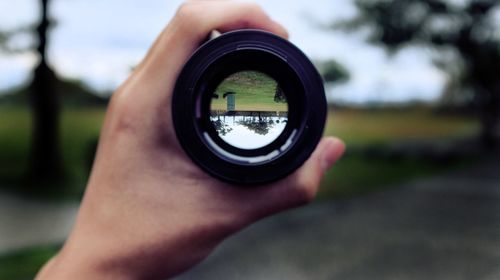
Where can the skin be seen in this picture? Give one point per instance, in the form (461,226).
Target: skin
(149,212)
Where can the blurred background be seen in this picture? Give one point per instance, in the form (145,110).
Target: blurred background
(413,89)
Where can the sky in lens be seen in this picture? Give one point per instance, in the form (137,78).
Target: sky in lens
(100,41)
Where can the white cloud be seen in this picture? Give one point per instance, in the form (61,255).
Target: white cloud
(13,69)
(18,13)
(102,69)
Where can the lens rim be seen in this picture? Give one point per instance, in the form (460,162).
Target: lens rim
(274,56)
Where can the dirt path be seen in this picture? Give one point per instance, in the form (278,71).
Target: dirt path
(25,223)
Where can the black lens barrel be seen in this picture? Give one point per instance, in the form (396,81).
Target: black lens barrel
(249,50)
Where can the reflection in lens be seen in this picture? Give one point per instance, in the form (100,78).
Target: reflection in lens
(249,110)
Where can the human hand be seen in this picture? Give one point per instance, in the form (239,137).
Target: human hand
(149,212)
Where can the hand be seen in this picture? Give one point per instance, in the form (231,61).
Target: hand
(149,212)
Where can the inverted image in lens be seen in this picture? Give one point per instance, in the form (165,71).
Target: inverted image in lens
(249,110)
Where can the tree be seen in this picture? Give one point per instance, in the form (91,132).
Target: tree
(334,72)
(221,127)
(463,33)
(45,155)
(45,160)
(260,125)
(279,95)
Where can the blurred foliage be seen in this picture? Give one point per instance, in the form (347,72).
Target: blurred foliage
(279,95)
(79,133)
(394,24)
(333,72)
(25,263)
(7,39)
(463,33)
(73,93)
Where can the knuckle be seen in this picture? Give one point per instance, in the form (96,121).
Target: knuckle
(305,192)
(253,8)
(187,14)
(121,112)
(252,12)
(117,102)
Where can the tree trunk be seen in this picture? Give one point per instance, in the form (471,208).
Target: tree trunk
(490,117)
(45,161)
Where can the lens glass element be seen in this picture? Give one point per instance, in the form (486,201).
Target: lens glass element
(248,110)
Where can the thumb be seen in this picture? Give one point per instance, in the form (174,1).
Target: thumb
(328,151)
(300,187)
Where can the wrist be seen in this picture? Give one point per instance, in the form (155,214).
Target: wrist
(139,250)
(75,267)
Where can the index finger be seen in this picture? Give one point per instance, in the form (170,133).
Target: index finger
(193,22)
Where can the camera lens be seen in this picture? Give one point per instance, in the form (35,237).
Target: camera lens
(249,107)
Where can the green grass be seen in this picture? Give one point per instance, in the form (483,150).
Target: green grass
(362,127)
(15,135)
(79,129)
(25,263)
(355,175)
(254,92)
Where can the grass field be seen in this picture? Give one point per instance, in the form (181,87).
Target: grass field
(254,92)
(361,127)
(79,130)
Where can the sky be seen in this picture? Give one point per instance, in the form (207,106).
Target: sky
(100,41)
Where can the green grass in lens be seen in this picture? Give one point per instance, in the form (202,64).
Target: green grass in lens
(254,91)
